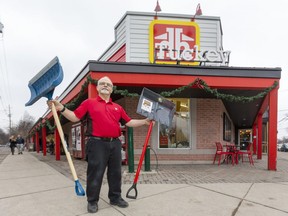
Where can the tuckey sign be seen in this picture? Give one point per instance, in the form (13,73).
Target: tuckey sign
(175,42)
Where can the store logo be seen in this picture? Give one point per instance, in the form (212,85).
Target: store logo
(174,42)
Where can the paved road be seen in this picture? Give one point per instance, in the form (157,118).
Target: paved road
(4,151)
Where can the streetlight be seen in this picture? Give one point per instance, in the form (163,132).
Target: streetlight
(198,12)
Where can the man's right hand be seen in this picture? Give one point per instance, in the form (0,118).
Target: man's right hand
(56,103)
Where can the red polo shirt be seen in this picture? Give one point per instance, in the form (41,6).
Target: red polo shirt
(102,118)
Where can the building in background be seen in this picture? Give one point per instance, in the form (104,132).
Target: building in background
(182,58)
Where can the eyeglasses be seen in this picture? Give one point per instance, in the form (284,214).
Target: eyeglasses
(105,83)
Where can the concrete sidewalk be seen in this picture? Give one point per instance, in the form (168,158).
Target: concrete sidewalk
(31,187)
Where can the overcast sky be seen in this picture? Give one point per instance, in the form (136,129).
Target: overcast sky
(35,31)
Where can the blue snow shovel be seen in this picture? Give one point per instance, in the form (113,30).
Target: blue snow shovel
(43,85)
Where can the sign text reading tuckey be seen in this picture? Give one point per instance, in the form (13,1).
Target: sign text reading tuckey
(194,54)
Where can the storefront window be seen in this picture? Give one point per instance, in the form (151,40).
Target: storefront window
(227,128)
(177,136)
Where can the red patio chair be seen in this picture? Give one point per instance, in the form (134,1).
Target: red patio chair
(247,152)
(220,152)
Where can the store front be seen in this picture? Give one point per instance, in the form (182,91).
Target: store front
(213,101)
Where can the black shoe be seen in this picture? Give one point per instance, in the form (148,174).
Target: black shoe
(120,203)
(92,207)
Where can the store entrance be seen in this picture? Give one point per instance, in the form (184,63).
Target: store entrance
(245,136)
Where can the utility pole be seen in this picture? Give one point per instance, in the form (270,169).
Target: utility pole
(9,116)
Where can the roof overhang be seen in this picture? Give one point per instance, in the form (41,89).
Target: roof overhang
(237,81)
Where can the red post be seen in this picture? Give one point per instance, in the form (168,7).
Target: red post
(272,130)
(259,126)
(92,91)
(37,142)
(33,141)
(44,143)
(57,144)
(254,139)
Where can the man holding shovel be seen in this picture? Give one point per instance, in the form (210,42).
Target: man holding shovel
(103,147)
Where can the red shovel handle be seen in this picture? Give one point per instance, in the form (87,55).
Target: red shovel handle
(140,164)
(143,153)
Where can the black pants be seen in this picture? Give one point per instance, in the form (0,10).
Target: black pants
(12,150)
(102,154)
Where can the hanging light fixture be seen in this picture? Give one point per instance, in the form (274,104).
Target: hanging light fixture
(198,12)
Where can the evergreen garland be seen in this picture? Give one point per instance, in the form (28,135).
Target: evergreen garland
(199,83)
(228,97)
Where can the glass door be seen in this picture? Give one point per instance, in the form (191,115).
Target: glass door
(245,137)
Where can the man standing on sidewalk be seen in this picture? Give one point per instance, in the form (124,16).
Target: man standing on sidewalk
(103,147)
(13,143)
(20,144)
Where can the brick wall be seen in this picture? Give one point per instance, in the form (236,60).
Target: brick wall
(208,123)
(209,128)
(139,133)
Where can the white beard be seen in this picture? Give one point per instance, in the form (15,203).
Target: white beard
(104,91)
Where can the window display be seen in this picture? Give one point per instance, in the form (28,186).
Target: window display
(177,136)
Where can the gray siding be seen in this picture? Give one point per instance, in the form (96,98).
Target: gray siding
(133,30)
(120,39)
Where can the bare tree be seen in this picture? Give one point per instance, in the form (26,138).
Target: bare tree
(24,125)
(3,137)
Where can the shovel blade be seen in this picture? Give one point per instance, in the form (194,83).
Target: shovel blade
(44,83)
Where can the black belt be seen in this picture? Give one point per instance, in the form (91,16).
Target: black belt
(105,139)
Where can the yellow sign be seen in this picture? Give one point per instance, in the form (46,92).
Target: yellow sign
(174,42)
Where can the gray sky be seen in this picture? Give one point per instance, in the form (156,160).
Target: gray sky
(35,31)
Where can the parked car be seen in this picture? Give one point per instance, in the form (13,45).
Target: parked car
(284,147)
(279,147)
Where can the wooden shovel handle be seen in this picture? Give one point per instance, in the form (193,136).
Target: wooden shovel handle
(61,134)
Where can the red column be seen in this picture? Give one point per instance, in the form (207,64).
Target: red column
(272,130)
(37,142)
(57,144)
(33,141)
(259,126)
(44,143)
(92,91)
(254,137)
